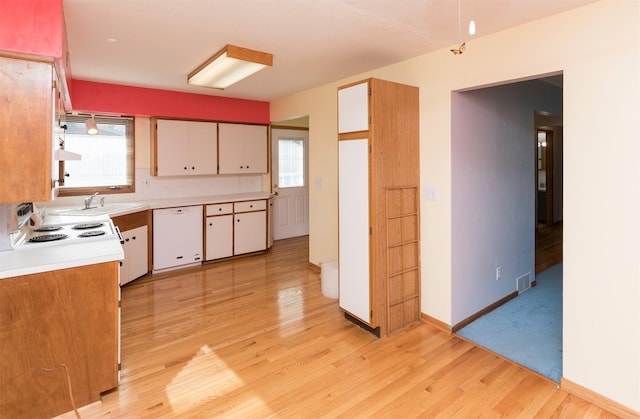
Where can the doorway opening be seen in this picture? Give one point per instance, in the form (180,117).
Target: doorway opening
(494,204)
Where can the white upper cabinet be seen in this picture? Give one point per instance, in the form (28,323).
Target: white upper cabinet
(353,108)
(185,148)
(243,148)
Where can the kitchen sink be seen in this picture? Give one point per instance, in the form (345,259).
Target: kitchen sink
(106,209)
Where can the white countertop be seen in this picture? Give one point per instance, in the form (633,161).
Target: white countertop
(30,260)
(122,208)
(25,261)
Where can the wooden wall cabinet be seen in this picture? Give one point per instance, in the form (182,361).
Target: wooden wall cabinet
(29,90)
(53,324)
(378,186)
(243,149)
(184,147)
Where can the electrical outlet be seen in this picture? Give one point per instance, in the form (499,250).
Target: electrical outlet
(498,273)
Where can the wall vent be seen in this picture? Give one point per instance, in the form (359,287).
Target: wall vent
(523,283)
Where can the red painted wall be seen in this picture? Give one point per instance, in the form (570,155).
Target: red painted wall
(37,27)
(96,97)
(32,27)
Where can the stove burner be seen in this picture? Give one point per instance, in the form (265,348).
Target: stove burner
(92,233)
(87,226)
(47,238)
(47,228)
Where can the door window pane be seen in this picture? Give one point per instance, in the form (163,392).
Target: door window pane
(290,162)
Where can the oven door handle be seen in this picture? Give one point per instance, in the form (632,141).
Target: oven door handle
(119,235)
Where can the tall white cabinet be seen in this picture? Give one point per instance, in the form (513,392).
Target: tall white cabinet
(378,198)
(353,213)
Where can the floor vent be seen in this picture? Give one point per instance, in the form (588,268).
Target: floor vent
(523,283)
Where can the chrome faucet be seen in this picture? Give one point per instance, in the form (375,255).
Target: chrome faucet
(87,201)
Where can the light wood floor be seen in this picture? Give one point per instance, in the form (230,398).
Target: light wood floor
(255,338)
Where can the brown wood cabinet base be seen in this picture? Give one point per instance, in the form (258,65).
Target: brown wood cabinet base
(58,332)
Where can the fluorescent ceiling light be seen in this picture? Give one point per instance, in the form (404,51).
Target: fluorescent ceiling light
(229,66)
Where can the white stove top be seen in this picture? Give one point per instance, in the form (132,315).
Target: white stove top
(63,234)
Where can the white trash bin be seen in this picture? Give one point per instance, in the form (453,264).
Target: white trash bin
(329,279)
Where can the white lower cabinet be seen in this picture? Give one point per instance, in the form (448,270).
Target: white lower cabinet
(135,254)
(219,237)
(250,228)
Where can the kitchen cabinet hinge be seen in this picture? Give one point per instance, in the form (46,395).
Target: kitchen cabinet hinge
(119,366)
(371,314)
(54,84)
(369,119)
(370,231)
(119,303)
(369,148)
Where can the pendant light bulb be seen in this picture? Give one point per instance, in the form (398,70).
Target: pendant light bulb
(472,27)
(92,127)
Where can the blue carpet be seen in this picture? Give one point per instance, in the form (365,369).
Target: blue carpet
(528,328)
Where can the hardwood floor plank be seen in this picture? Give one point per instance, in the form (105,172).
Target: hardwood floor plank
(254,337)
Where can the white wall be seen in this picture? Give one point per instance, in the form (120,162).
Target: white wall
(598,49)
(493,157)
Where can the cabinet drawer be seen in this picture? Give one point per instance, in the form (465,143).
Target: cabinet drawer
(219,209)
(250,206)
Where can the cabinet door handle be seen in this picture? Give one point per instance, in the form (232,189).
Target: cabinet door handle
(193,168)
(210,224)
(185,168)
(133,238)
(126,240)
(219,209)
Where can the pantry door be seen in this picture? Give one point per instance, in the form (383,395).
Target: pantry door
(290,182)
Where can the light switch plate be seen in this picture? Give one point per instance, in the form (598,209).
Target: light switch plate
(430,193)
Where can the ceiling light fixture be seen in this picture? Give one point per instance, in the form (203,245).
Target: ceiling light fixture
(228,66)
(461,48)
(472,27)
(92,127)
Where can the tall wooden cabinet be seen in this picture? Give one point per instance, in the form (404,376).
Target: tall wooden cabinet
(379,184)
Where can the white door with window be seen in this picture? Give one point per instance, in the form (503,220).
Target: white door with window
(290,176)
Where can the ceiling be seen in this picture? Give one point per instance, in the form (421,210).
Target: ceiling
(156,43)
